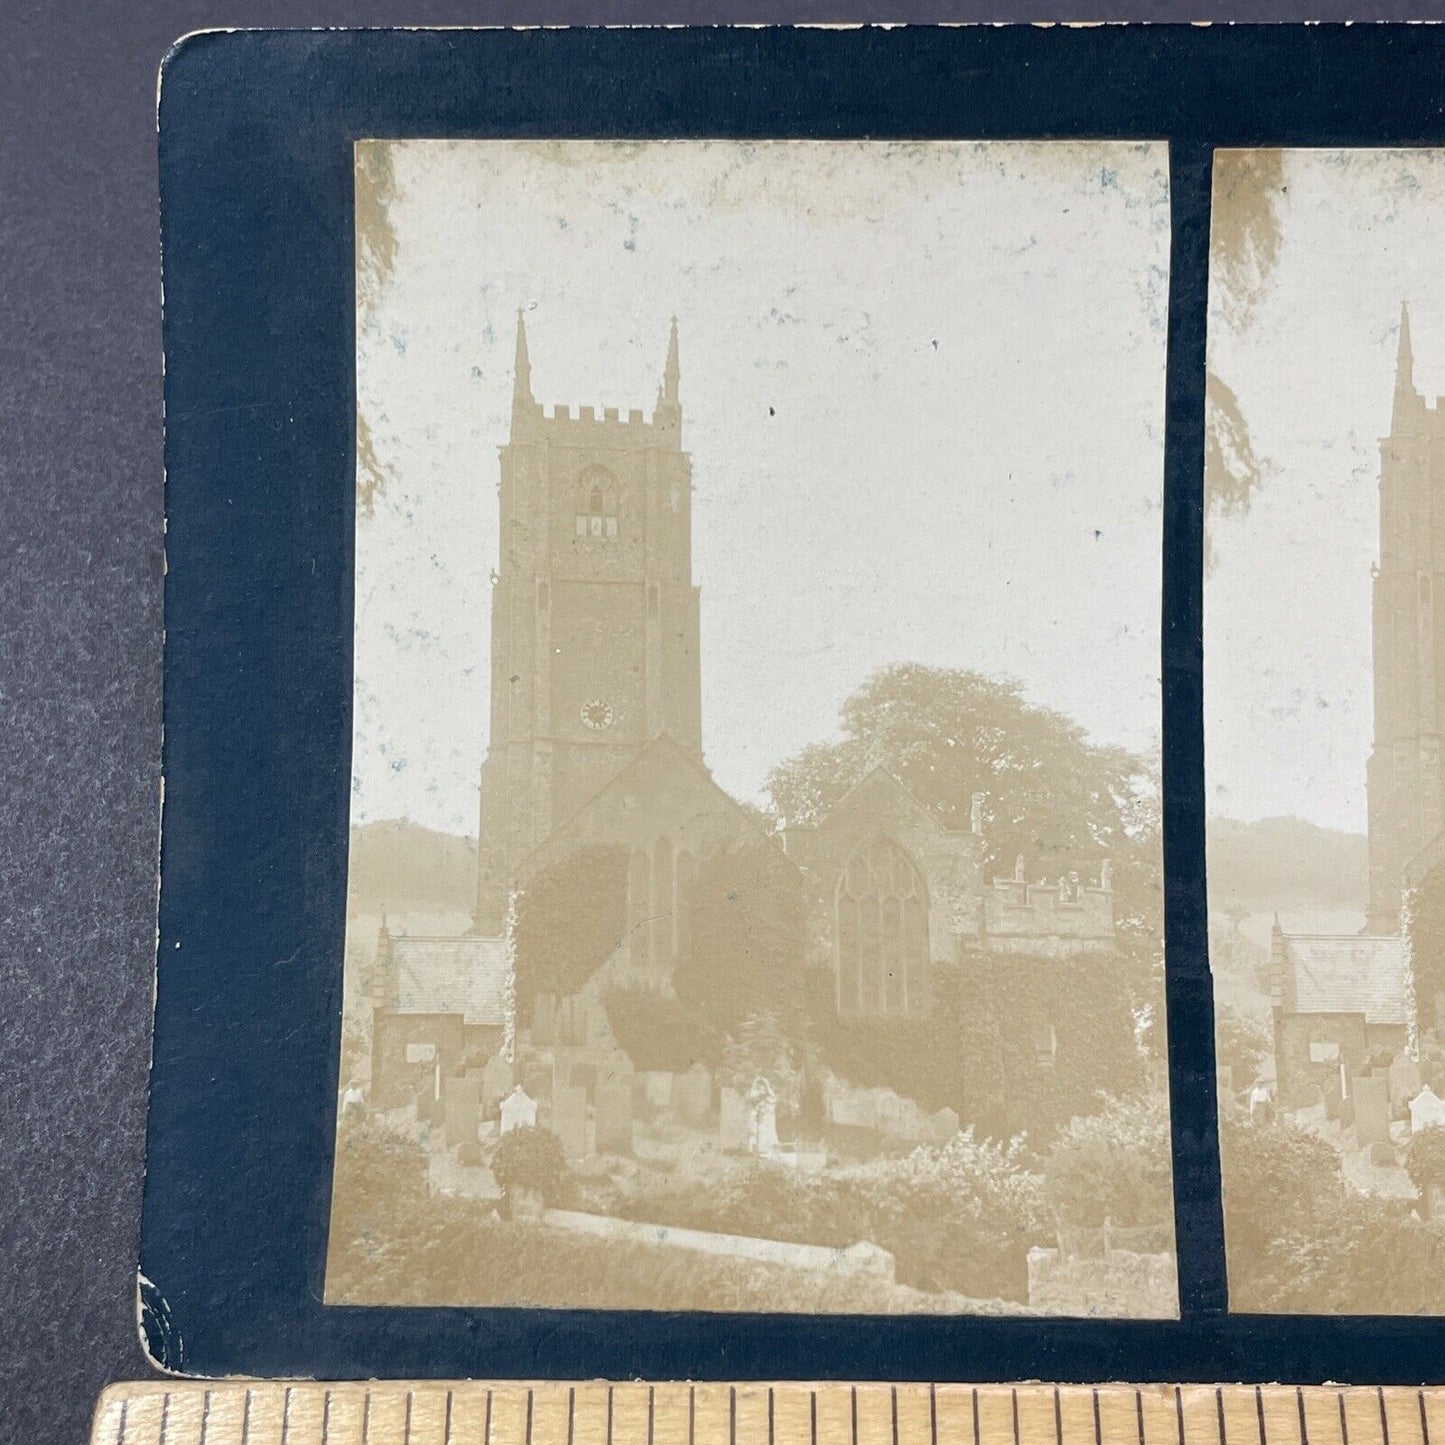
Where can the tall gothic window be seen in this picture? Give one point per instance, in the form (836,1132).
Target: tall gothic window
(881,928)
(596,504)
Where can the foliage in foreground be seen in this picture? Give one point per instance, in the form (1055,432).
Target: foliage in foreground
(392,1244)
(961,1217)
(1300,1240)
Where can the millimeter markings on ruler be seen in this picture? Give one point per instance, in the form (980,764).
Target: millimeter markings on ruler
(596,1413)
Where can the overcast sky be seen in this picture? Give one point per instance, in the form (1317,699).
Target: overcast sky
(922,389)
(1287,612)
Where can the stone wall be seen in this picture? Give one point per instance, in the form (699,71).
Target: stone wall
(862,1258)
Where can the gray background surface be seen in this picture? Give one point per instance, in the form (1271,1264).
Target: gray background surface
(80,618)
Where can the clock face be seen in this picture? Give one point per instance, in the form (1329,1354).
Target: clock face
(597,715)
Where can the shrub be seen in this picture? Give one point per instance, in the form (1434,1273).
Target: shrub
(1425,1160)
(1115,1165)
(961,1216)
(530,1158)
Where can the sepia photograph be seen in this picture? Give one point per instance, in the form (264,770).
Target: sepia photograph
(755,879)
(1325,715)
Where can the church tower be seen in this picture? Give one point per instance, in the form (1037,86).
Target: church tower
(1403,777)
(594,614)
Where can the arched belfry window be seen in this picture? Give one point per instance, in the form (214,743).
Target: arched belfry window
(881,932)
(597,504)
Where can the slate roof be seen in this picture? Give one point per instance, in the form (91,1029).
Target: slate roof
(1346,973)
(466,976)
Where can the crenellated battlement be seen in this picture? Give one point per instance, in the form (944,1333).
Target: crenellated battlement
(1074,914)
(606,421)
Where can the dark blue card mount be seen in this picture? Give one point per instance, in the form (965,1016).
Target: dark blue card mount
(256,134)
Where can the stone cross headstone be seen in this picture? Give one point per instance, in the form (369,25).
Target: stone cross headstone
(518,1109)
(569,1120)
(613,1118)
(1427,1110)
(732,1124)
(762,1118)
(1372,1111)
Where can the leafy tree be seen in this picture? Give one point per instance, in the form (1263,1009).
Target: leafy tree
(748,939)
(375,262)
(1245,241)
(947,734)
(570,918)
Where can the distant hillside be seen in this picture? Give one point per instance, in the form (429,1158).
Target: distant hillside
(404,867)
(1285,863)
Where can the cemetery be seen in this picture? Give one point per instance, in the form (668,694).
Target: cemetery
(732,1167)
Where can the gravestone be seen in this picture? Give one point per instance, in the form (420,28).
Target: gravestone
(1372,1111)
(732,1124)
(1405,1081)
(544,1020)
(428,1107)
(899,1118)
(613,1118)
(562,1060)
(572,1022)
(658,1087)
(942,1126)
(463,1103)
(569,1120)
(692,1094)
(762,1104)
(854,1108)
(1427,1110)
(497,1081)
(518,1109)
(537,1081)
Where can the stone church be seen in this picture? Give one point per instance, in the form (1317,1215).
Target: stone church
(596,737)
(1340,1000)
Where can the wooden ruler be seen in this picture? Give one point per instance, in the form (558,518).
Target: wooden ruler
(478,1413)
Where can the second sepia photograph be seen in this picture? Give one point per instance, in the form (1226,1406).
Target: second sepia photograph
(1325,718)
(755,896)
